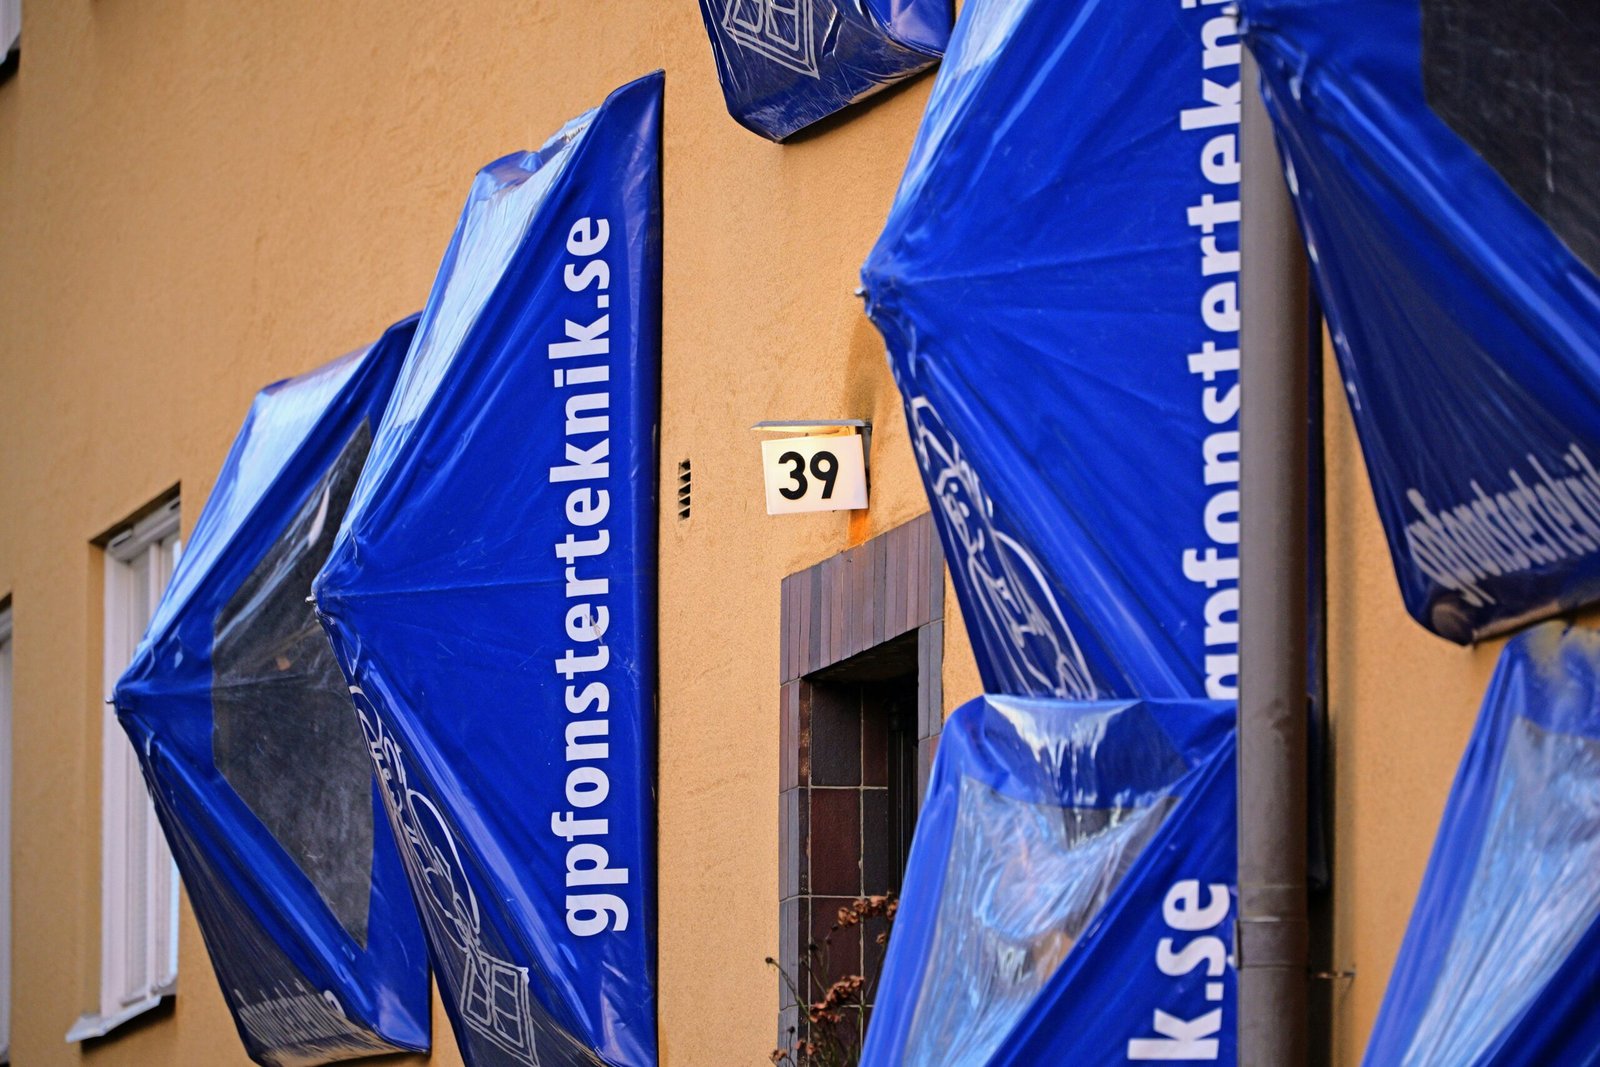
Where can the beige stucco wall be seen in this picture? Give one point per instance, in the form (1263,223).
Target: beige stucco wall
(198,198)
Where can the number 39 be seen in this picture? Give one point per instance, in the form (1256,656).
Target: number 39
(824,468)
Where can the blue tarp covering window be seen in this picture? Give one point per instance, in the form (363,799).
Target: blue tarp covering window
(252,749)
(491,597)
(1502,958)
(1069,897)
(785,64)
(1445,162)
(1057,283)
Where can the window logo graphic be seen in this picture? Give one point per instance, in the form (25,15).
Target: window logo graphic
(491,992)
(781,30)
(1025,630)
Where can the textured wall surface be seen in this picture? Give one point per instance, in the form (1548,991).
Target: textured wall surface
(199,198)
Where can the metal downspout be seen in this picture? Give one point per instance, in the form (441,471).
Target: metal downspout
(1273,931)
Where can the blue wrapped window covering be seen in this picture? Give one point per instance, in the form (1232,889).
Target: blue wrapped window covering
(1501,959)
(251,748)
(1070,893)
(491,599)
(1057,286)
(1444,157)
(785,64)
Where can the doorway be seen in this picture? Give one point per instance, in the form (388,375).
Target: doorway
(861,708)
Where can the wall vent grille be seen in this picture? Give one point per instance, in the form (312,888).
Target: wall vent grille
(685,489)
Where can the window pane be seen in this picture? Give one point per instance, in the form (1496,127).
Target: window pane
(139,893)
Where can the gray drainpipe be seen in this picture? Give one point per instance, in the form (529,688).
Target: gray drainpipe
(1273,932)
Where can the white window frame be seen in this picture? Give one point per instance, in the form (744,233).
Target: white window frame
(138,878)
(6,660)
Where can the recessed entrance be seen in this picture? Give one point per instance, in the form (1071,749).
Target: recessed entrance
(861,706)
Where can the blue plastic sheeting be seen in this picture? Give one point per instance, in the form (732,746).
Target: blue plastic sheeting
(1058,287)
(252,750)
(1445,161)
(785,64)
(1070,893)
(491,598)
(1502,958)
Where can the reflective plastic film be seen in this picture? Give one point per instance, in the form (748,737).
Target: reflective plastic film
(1444,158)
(1057,283)
(785,64)
(1070,894)
(1502,956)
(491,598)
(252,749)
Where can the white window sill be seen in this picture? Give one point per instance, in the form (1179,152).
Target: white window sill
(95,1025)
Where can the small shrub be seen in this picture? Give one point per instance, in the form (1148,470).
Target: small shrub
(834,1011)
